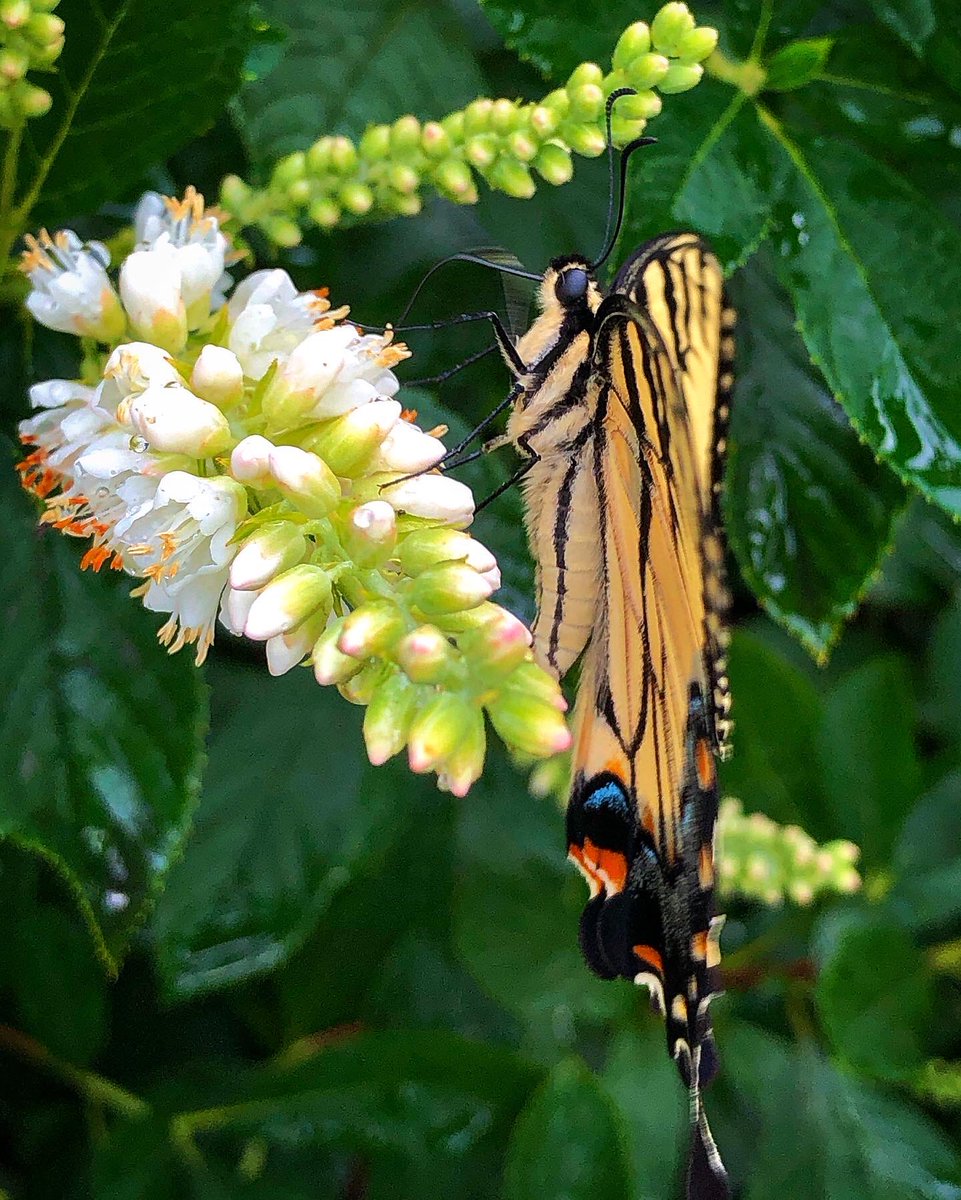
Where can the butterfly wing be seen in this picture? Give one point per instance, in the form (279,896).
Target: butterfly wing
(652,700)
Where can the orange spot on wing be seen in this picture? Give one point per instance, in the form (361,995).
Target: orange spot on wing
(704,761)
(586,868)
(652,957)
(611,866)
(705,868)
(699,946)
(647,820)
(615,767)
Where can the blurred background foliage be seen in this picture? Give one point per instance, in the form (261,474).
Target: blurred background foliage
(307,977)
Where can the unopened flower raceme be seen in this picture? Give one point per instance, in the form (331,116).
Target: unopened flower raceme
(245,458)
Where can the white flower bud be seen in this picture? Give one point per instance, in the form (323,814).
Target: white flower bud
(292,597)
(305,479)
(287,650)
(218,376)
(250,461)
(434,496)
(235,608)
(347,442)
(175,421)
(407,448)
(295,390)
(371,533)
(150,286)
(271,549)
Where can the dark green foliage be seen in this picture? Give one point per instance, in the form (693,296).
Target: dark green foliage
(337,983)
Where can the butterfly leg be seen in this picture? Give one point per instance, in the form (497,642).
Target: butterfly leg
(531,458)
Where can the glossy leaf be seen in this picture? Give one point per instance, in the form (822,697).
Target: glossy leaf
(807,551)
(568,1142)
(826,1135)
(109,120)
(912,20)
(868,757)
(927,860)
(555,38)
(797,64)
(710,171)
(883,1029)
(877,326)
(377,66)
(101,732)
(282,825)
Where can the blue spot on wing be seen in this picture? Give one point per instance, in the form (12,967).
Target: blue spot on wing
(610,797)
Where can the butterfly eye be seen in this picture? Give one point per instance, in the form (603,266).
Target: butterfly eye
(571,285)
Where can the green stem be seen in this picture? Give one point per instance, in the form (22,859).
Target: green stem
(94,1088)
(748,76)
(9,229)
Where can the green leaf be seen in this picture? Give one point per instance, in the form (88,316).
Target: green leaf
(940,709)
(43,945)
(290,811)
(927,860)
(850,235)
(643,1083)
(925,563)
(710,171)
(346,66)
(807,552)
(827,1136)
(912,20)
(797,64)
(777,711)
(868,758)
(114,112)
(101,732)
(874,994)
(568,1143)
(556,37)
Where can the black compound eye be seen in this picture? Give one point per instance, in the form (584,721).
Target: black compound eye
(571,285)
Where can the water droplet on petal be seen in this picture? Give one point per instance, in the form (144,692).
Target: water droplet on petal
(138,443)
(103,493)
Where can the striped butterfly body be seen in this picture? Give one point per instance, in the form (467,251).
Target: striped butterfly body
(621,418)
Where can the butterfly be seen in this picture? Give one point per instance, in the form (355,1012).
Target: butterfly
(619,413)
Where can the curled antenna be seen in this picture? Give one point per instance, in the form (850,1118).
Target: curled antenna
(614,225)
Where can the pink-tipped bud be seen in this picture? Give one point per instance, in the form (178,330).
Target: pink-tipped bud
(361,688)
(330,665)
(426,548)
(273,548)
(529,679)
(302,592)
(436,730)
(464,764)
(435,497)
(250,461)
(370,533)
(407,449)
(498,646)
(388,717)
(528,724)
(449,588)
(370,629)
(425,654)
(305,479)
(288,650)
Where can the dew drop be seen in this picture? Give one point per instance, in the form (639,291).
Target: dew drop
(138,443)
(103,493)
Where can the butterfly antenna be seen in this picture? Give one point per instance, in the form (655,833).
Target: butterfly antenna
(614,189)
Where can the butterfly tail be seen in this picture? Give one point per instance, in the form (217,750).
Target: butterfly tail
(706,1176)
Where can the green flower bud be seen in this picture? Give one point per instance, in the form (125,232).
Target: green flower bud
(544,121)
(522,146)
(586,73)
(343,155)
(405,205)
(588,140)
(510,176)
(403,178)
(318,157)
(531,680)
(299,192)
(291,169)
(554,163)
(325,213)
(528,724)
(436,730)
(330,665)
(496,648)
(388,717)
(33,101)
(347,443)
(356,198)
(305,479)
(587,102)
(504,116)
(454,126)
(283,231)
(477,116)
(13,65)
(624,131)
(481,150)
(15,13)
(234,193)
(44,28)
(361,688)
(669,26)
(289,599)
(463,766)
(557,102)
(372,628)
(425,655)
(454,179)
(681,77)
(697,44)
(375,143)
(640,107)
(449,588)
(646,72)
(633,42)
(435,140)
(405,135)
(370,533)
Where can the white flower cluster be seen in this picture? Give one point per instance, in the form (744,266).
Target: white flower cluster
(246,458)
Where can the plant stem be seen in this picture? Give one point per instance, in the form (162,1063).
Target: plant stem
(8,182)
(94,1088)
